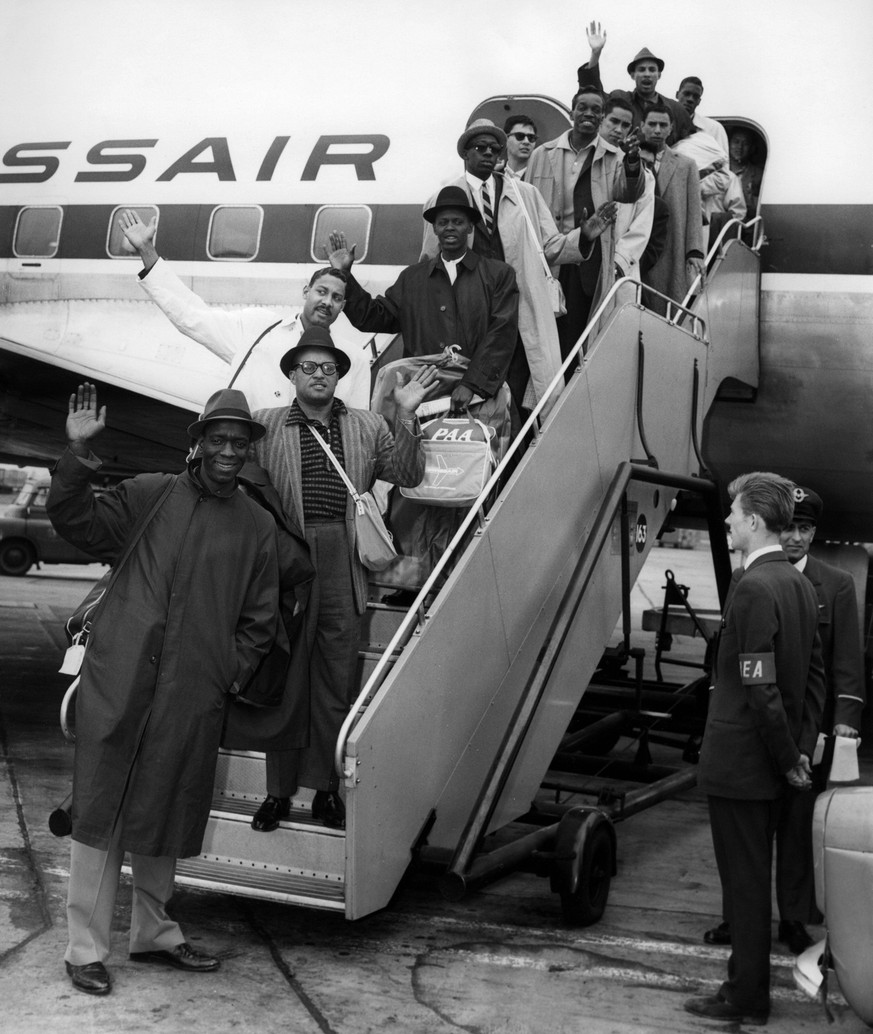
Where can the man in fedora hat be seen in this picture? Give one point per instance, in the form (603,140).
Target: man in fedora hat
(455,297)
(231,334)
(312,491)
(645,69)
(188,614)
(839,629)
(515,226)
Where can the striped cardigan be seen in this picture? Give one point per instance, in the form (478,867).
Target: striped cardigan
(371,452)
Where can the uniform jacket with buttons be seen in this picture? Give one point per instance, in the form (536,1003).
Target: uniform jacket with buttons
(755,733)
(839,629)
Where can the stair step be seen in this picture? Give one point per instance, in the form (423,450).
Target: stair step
(258,881)
(379,623)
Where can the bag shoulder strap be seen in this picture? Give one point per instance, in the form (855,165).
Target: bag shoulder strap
(339,467)
(530,225)
(255,344)
(139,527)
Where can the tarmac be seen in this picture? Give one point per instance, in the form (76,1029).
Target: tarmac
(502,961)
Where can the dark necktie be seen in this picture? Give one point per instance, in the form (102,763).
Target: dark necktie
(487,210)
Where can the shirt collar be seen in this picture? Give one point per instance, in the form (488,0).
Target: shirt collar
(476,184)
(468,261)
(801,563)
(758,553)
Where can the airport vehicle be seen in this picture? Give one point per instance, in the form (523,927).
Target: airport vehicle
(27,536)
(248,171)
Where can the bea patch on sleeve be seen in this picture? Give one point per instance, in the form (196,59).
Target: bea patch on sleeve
(757,669)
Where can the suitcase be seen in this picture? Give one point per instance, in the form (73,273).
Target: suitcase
(842,836)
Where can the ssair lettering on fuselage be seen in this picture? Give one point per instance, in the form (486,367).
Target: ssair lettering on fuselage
(121,161)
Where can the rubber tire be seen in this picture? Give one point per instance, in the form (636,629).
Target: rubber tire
(16,558)
(583,878)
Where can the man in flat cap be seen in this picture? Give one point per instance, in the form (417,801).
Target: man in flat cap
(250,340)
(312,491)
(645,69)
(455,297)
(839,629)
(190,610)
(516,227)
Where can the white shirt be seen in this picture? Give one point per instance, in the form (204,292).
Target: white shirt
(801,563)
(760,552)
(476,186)
(452,266)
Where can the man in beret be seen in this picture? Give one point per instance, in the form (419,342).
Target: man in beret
(645,69)
(839,629)
(764,715)
(517,228)
(455,297)
(250,340)
(312,491)
(189,612)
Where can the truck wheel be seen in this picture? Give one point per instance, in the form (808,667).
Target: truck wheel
(584,865)
(16,557)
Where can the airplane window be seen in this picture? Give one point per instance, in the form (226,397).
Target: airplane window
(353,220)
(234,232)
(115,238)
(37,232)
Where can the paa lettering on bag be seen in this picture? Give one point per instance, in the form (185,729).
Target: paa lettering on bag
(452,434)
(757,669)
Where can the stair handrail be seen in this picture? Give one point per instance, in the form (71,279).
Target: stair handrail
(731,226)
(416,613)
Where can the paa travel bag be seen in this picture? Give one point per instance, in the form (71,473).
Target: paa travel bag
(458,462)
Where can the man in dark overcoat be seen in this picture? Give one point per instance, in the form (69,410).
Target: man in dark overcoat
(455,297)
(190,611)
(763,722)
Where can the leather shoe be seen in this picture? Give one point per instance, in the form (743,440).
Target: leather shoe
(715,1007)
(270,812)
(183,956)
(92,978)
(720,934)
(327,806)
(793,933)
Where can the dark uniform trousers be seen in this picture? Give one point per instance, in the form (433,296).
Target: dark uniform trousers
(742,836)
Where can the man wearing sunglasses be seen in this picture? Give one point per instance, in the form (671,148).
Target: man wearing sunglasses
(516,227)
(521,139)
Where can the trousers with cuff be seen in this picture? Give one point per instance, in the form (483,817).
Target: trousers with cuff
(94,875)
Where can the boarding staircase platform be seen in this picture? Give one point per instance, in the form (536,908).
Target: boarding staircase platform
(442,690)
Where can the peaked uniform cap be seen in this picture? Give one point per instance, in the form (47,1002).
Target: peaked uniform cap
(227,404)
(807,505)
(645,55)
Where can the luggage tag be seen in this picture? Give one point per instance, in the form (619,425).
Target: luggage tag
(73,658)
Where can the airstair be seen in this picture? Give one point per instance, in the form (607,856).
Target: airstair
(466,696)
